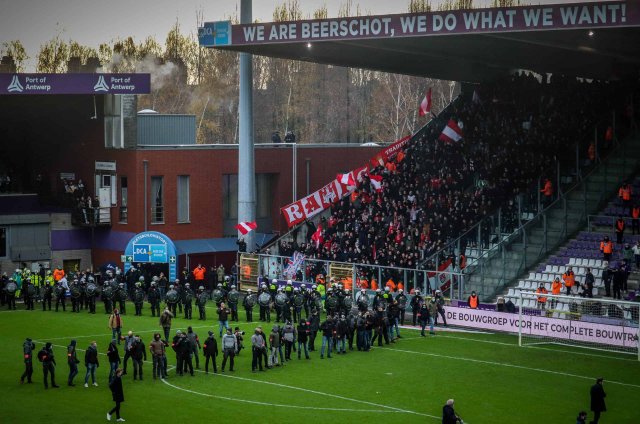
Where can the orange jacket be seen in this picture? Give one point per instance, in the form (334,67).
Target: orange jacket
(391,167)
(606,247)
(374,284)
(348,283)
(364,284)
(400,157)
(58,274)
(625,192)
(198,273)
(391,285)
(548,188)
(591,153)
(540,291)
(473,302)
(569,278)
(556,286)
(400,286)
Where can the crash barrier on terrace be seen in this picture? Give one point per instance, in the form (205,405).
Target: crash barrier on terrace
(354,277)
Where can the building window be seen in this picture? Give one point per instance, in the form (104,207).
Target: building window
(157,200)
(183,198)
(3,242)
(264,203)
(124,199)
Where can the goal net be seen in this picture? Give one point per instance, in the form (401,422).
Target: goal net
(602,324)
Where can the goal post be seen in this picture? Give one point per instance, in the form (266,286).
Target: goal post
(592,323)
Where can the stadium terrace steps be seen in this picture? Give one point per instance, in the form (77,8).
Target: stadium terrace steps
(496,273)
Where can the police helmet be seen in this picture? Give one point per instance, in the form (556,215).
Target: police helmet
(295,289)
(387,289)
(363,290)
(226,278)
(141,278)
(187,285)
(329,290)
(347,291)
(155,278)
(289,282)
(153,284)
(339,285)
(248,290)
(17,270)
(400,291)
(264,286)
(49,272)
(201,288)
(138,284)
(219,285)
(170,286)
(233,287)
(274,281)
(121,284)
(314,287)
(378,290)
(303,286)
(177,280)
(178,332)
(279,289)
(91,279)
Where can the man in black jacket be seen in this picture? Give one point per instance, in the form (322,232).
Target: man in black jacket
(138,354)
(72,360)
(27,349)
(91,362)
(48,365)
(327,328)
(210,350)
(449,415)
(597,400)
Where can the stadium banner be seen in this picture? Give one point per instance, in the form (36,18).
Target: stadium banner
(24,84)
(318,201)
(602,14)
(441,280)
(534,325)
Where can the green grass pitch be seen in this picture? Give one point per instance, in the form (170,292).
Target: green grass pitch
(491,379)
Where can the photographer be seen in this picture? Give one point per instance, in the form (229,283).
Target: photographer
(239,339)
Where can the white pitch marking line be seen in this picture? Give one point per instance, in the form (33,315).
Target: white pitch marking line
(254,402)
(123,331)
(390,408)
(480,361)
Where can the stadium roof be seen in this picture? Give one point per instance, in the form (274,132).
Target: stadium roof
(594,40)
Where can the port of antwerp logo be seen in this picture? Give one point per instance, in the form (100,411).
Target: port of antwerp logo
(101,85)
(15,85)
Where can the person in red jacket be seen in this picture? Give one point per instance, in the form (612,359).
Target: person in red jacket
(635,223)
(620,226)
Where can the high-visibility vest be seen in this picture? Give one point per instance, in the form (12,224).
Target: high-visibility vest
(635,213)
(391,285)
(246,272)
(58,274)
(374,284)
(606,247)
(620,225)
(542,299)
(569,278)
(473,302)
(556,286)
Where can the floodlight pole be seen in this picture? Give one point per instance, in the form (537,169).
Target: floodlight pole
(246,160)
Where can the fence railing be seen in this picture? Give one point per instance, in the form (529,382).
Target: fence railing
(351,275)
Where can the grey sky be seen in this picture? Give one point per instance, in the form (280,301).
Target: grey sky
(92,22)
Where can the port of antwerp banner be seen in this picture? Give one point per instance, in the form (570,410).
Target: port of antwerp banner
(322,199)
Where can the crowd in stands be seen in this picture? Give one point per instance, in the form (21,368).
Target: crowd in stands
(433,191)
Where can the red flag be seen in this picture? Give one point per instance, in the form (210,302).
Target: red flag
(451,132)
(246,227)
(317,236)
(376,182)
(425,105)
(347,179)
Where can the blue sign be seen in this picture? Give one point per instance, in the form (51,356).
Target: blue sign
(16,84)
(152,247)
(215,34)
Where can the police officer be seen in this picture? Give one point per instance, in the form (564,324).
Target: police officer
(264,309)
(377,299)
(75,295)
(153,296)
(10,291)
(47,295)
(402,304)
(48,365)
(187,299)
(29,294)
(61,289)
(363,301)
(27,349)
(440,308)
(201,299)
(107,296)
(91,295)
(306,295)
(233,296)
(331,302)
(138,297)
(248,304)
(297,303)
(121,297)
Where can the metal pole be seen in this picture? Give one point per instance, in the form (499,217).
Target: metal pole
(246,161)
(145,167)
(294,171)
